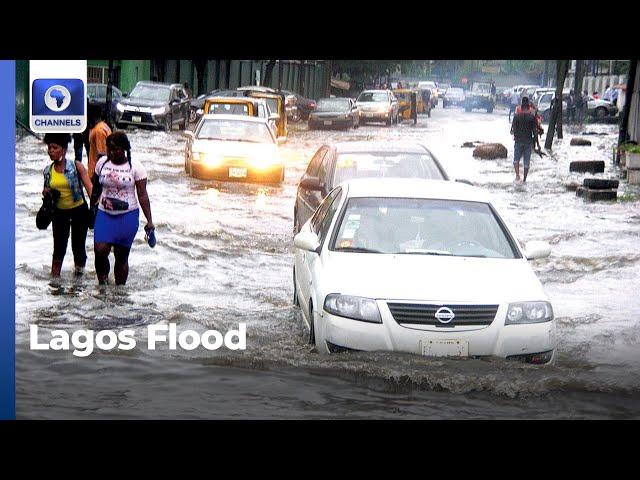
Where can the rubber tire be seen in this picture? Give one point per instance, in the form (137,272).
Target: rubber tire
(193,116)
(600,113)
(296,117)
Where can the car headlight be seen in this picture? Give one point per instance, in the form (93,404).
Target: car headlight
(120,107)
(356,308)
(159,110)
(529,312)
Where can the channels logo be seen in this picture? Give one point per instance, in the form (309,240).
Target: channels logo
(58,105)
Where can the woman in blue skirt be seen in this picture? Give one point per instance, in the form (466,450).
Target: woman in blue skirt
(116,223)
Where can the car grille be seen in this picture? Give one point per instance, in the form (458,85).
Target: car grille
(424,314)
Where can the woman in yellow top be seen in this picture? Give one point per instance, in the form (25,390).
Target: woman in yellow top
(67,177)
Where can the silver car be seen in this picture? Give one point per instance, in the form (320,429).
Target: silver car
(378,106)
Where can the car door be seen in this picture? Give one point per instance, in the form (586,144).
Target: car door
(305,261)
(308,200)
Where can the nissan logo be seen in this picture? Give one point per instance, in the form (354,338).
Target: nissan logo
(445,315)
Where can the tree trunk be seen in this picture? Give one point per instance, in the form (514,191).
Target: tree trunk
(562,66)
(577,83)
(201,70)
(268,73)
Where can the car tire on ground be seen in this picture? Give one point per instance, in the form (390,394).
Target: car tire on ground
(193,116)
(600,112)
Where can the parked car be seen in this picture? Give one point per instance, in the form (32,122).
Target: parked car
(453,96)
(303,105)
(378,106)
(233,147)
(423,267)
(152,104)
(276,101)
(97,97)
(442,89)
(336,163)
(335,113)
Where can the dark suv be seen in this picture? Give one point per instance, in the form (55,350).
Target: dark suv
(152,104)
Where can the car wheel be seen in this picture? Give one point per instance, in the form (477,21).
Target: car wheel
(601,112)
(193,116)
(296,117)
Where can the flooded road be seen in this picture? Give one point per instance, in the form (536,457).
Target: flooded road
(225,256)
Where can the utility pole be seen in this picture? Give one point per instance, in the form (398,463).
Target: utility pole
(562,66)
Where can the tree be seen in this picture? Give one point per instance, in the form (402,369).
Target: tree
(562,67)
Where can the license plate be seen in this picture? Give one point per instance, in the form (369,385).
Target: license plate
(445,348)
(136,118)
(328,122)
(238,172)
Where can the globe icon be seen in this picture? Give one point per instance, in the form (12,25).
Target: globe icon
(57,98)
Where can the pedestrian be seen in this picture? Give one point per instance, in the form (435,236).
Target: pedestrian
(607,93)
(581,107)
(80,141)
(524,130)
(570,107)
(67,177)
(515,101)
(117,181)
(614,96)
(97,138)
(187,89)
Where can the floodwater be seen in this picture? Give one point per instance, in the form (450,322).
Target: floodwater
(225,256)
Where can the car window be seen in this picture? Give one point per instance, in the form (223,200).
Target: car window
(102,91)
(314,164)
(261,111)
(423,227)
(321,220)
(228,109)
(234,130)
(149,92)
(373,97)
(385,164)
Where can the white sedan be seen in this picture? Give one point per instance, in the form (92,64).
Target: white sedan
(420,266)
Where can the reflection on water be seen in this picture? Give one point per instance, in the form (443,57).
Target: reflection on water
(224,256)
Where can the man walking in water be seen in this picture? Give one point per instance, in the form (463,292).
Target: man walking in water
(524,131)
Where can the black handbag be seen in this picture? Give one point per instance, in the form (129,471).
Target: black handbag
(47,210)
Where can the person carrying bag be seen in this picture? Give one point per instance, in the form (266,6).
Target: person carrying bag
(64,203)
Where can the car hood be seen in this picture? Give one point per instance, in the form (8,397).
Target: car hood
(234,149)
(431,278)
(139,102)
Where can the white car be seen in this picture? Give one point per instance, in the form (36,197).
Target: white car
(234,147)
(420,266)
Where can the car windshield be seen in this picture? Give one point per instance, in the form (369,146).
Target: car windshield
(229,108)
(234,130)
(385,164)
(149,92)
(481,88)
(373,97)
(333,105)
(422,227)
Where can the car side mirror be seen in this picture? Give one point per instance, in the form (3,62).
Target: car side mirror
(307,241)
(311,183)
(537,249)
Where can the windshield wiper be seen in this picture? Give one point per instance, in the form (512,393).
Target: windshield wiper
(357,249)
(425,252)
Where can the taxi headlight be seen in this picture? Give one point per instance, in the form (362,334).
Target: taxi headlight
(356,308)
(529,312)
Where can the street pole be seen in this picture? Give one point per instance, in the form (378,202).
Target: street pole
(562,66)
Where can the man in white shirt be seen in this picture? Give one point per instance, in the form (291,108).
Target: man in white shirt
(607,93)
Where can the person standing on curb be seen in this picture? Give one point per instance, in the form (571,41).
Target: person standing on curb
(524,130)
